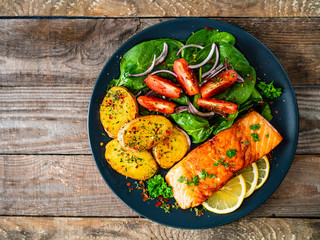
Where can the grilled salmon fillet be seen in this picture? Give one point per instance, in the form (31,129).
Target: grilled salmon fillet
(231,150)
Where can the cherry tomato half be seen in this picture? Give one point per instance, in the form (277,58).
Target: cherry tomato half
(218,106)
(156,104)
(186,77)
(163,86)
(218,84)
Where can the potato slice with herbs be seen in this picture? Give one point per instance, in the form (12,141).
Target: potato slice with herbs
(118,107)
(144,132)
(172,149)
(136,165)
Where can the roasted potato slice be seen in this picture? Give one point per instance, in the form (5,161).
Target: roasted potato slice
(136,165)
(118,107)
(172,149)
(144,132)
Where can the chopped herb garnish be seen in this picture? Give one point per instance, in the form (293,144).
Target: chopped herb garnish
(158,187)
(182,178)
(216,164)
(225,164)
(269,91)
(267,136)
(204,174)
(255,127)
(231,153)
(255,137)
(247,143)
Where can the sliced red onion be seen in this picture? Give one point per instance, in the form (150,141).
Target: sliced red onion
(187,136)
(213,47)
(138,94)
(148,70)
(163,55)
(214,65)
(215,72)
(239,78)
(195,111)
(151,93)
(163,70)
(181,109)
(189,45)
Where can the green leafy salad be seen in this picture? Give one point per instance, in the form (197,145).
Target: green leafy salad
(243,93)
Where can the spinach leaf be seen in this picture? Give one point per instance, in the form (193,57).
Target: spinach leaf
(254,101)
(205,38)
(197,127)
(238,92)
(139,58)
(266,112)
(182,100)
(224,123)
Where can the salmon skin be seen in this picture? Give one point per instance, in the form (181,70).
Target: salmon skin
(216,161)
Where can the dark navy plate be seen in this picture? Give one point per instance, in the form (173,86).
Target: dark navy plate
(284,109)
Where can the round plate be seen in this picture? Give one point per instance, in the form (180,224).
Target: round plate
(284,110)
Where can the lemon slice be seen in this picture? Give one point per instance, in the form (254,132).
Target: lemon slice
(263,169)
(228,198)
(250,175)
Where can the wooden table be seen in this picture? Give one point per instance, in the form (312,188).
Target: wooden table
(50,187)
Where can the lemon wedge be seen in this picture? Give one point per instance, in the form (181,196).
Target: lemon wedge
(228,198)
(250,175)
(263,171)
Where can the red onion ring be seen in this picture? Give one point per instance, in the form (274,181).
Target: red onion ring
(188,45)
(163,55)
(215,64)
(195,111)
(138,94)
(148,70)
(163,70)
(187,136)
(181,109)
(151,93)
(213,47)
(215,72)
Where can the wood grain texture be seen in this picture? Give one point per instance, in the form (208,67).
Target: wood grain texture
(161,8)
(53,120)
(72,52)
(103,228)
(72,186)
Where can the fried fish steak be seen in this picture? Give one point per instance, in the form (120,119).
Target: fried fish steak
(245,142)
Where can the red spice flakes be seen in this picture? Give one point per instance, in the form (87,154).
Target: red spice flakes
(134,128)
(210,29)
(277,111)
(269,156)
(168,132)
(163,63)
(128,184)
(152,142)
(160,198)
(110,117)
(158,204)
(156,131)
(251,79)
(137,166)
(145,196)
(101,144)
(261,102)
(130,189)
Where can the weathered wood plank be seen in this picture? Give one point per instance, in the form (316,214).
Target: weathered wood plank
(72,186)
(161,8)
(72,52)
(48,120)
(132,228)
